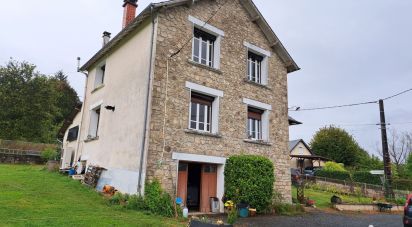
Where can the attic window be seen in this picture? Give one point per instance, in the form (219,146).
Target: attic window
(100,74)
(72,134)
(257,64)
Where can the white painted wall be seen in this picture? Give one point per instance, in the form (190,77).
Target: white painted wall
(70,147)
(300,149)
(120,132)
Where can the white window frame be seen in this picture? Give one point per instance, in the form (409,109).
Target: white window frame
(197,121)
(258,131)
(199,24)
(99,75)
(217,94)
(94,122)
(266,108)
(265,62)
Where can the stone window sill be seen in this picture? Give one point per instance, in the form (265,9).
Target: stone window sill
(200,133)
(204,66)
(98,88)
(259,142)
(91,139)
(257,84)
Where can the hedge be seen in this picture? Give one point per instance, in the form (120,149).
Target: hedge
(339,175)
(366,177)
(402,184)
(249,179)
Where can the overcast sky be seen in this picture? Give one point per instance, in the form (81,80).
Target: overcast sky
(349,51)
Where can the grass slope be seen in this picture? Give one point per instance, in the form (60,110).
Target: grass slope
(31,196)
(322,198)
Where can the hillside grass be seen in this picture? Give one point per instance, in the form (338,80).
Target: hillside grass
(31,196)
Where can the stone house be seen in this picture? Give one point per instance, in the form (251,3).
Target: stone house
(185,85)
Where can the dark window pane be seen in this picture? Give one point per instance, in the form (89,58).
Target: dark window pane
(193,111)
(196,49)
(204,52)
(193,125)
(201,113)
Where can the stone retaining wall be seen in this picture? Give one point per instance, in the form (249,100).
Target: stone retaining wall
(20,159)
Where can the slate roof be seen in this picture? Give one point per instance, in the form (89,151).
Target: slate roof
(149,11)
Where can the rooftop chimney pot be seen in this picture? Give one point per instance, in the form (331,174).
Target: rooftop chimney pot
(106,37)
(129,12)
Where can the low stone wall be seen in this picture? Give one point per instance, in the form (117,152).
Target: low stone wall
(20,159)
(364,207)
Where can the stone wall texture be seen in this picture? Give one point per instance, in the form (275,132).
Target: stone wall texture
(174,31)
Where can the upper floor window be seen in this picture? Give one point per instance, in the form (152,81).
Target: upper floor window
(254,67)
(206,43)
(204,108)
(257,120)
(257,64)
(73,133)
(203,47)
(201,112)
(100,73)
(254,123)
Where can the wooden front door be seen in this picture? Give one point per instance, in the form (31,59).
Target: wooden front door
(182,181)
(208,186)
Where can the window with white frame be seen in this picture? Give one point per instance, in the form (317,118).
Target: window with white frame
(203,47)
(100,73)
(204,108)
(257,64)
(254,126)
(201,112)
(206,43)
(257,120)
(254,67)
(94,122)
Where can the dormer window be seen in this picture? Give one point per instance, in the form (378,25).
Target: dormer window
(100,73)
(203,47)
(254,67)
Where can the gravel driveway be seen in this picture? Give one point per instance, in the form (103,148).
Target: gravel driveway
(321,219)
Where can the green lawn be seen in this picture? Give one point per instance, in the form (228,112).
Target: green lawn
(31,196)
(322,198)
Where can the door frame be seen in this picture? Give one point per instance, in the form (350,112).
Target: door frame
(204,159)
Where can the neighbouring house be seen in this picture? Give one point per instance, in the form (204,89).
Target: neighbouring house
(302,157)
(183,86)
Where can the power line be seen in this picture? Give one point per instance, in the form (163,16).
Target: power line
(401,93)
(349,105)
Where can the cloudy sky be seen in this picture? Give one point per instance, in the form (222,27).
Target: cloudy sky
(350,51)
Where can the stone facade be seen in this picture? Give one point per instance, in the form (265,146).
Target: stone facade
(168,126)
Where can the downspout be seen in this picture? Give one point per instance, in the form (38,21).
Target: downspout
(142,152)
(82,119)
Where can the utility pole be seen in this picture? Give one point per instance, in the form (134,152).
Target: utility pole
(385,151)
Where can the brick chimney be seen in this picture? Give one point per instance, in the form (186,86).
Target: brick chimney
(129,12)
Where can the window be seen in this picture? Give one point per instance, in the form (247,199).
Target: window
(257,64)
(203,47)
(254,67)
(201,112)
(94,122)
(73,133)
(254,123)
(100,73)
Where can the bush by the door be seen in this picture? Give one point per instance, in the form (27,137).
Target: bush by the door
(249,179)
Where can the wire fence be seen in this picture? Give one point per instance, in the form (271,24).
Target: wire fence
(350,187)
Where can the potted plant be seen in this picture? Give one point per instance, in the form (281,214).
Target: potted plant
(50,155)
(206,222)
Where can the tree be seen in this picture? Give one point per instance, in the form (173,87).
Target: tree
(400,147)
(337,144)
(408,166)
(32,105)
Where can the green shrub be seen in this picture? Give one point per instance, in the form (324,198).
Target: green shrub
(366,177)
(287,209)
(339,175)
(249,179)
(136,202)
(157,201)
(333,166)
(232,216)
(49,154)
